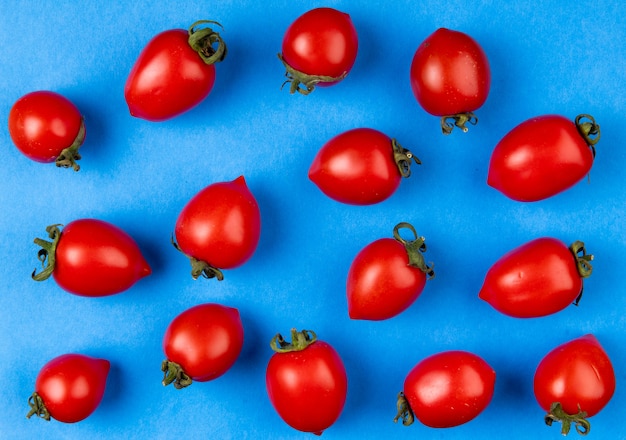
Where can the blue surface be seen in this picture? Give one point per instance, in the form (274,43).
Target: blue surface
(139,175)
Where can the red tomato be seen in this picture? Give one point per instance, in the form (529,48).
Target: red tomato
(174,72)
(574,381)
(306,382)
(450,77)
(219,228)
(538,278)
(69,388)
(361,167)
(387,276)
(91,258)
(47,127)
(201,344)
(543,156)
(446,389)
(319,48)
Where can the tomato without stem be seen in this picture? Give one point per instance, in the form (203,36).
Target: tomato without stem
(538,278)
(69,388)
(201,344)
(446,389)
(319,48)
(574,381)
(450,77)
(387,276)
(306,382)
(174,72)
(91,257)
(361,167)
(219,228)
(47,127)
(543,156)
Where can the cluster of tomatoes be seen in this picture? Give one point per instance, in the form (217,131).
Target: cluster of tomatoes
(219,228)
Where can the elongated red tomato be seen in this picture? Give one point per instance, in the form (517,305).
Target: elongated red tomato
(201,344)
(174,72)
(543,156)
(538,278)
(387,276)
(319,48)
(450,77)
(361,167)
(91,257)
(219,228)
(446,389)
(306,382)
(47,127)
(574,381)
(69,388)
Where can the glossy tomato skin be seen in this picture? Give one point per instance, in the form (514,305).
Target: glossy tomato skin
(449,388)
(321,42)
(168,78)
(42,124)
(450,73)
(72,386)
(539,158)
(308,388)
(381,283)
(536,279)
(577,373)
(220,225)
(205,340)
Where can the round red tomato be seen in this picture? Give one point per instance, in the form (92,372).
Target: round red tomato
(387,276)
(446,389)
(538,278)
(219,228)
(361,167)
(543,156)
(47,127)
(319,48)
(450,77)
(201,344)
(574,381)
(174,72)
(69,388)
(306,382)
(91,258)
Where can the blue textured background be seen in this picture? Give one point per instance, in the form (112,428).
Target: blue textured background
(138,175)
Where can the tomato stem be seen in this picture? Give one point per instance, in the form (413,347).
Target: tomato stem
(403,158)
(47,253)
(174,374)
(557,414)
(199,267)
(589,130)
(203,40)
(404,411)
(299,341)
(414,248)
(70,155)
(460,119)
(37,407)
(583,260)
(296,79)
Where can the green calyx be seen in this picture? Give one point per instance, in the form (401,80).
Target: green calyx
(299,341)
(589,130)
(557,414)
(37,407)
(414,248)
(203,40)
(304,83)
(583,263)
(69,155)
(405,413)
(198,267)
(47,253)
(174,374)
(403,158)
(459,120)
